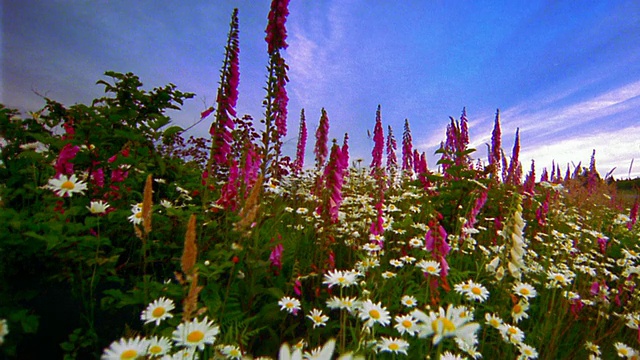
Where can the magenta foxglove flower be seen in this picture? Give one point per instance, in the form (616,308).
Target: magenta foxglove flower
(276,256)
(407,149)
(63,165)
(322,135)
(378,144)
(276,30)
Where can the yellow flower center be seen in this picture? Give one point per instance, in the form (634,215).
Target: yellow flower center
(394,347)
(476,291)
(289,305)
(406,323)
(374,314)
(524,291)
(317,318)
(494,322)
(157,312)
(139,214)
(512,330)
(517,308)
(155,349)
(341,279)
(559,277)
(129,354)
(68,185)
(622,351)
(431,269)
(195,336)
(447,325)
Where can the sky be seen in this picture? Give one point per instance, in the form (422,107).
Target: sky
(566,73)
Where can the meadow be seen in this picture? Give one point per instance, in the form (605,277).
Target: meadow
(122,239)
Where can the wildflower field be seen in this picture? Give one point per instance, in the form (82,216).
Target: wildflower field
(122,239)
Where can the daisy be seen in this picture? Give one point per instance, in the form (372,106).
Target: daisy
(196,333)
(124,349)
(592,348)
(447,355)
(291,305)
(511,333)
(159,346)
(393,345)
(416,243)
(98,207)
(408,259)
(373,313)
(66,186)
(493,320)
(527,352)
(519,311)
(430,267)
(157,311)
(558,279)
(286,353)
(318,318)
(321,353)
(406,324)
(409,301)
(449,323)
(624,350)
(388,274)
(472,291)
(184,354)
(396,263)
(341,278)
(231,352)
(525,290)
(302,211)
(371,247)
(136,217)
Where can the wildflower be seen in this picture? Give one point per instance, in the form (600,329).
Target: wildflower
(519,311)
(558,279)
(136,217)
(595,349)
(345,303)
(388,274)
(318,318)
(525,290)
(396,263)
(409,301)
(449,323)
(393,345)
(624,350)
(408,259)
(276,256)
(302,211)
(196,333)
(291,305)
(511,333)
(493,320)
(287,354)
(472,291)
(430,267)
(371,247)
(447,355)
(157,311)
(66,186)
(4,330)
(341,278)
(406,324)
(527,352)
(325,352)
(159,346)
(373,313)
(184,354)
(98,207)
(124,349)
(166,203)
(231,352)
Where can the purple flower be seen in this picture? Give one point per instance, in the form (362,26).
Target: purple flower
(378,144)
(276,256)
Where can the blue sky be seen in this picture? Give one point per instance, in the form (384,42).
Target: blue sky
(566,73)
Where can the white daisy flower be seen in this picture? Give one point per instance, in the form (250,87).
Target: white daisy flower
(196,333)
(289,304)
(430,267)
(392,345)
(159,346)
(318,318)
(98,207)
(4,329)
(157,311)
(126,349)
(406,324)
(373,313)
(341,278)
(409,301)
(231,352)
(454,322)
(525,290)
(66,186)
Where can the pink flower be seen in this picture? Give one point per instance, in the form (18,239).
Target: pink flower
(63,165)
(378,144)
(276,31)
(322,135)
(302,142)
(276,256)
